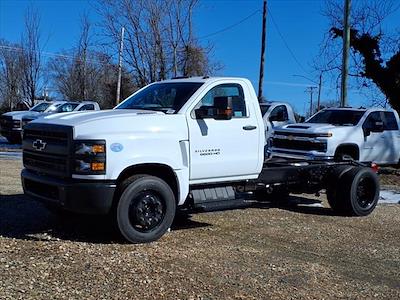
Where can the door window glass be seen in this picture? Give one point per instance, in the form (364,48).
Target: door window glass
(372,120)
(390,122)
(234,91)
(87,107)
(279,114)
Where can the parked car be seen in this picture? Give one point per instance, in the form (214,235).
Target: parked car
(11,122)
(63,106)
(342,133)
(196,143)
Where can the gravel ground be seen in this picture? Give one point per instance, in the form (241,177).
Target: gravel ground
(302,252)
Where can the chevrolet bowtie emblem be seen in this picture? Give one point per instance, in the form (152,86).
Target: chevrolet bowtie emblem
(39,145)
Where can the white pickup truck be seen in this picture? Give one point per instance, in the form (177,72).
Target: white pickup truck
(194,143)
(11,122)
(342,133)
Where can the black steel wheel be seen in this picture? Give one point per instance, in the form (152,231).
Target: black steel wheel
(146,208)
(146,211)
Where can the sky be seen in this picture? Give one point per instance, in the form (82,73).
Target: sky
(295,29)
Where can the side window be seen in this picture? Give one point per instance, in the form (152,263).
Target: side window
(279,114)
(390,122)
(372,120)
(87,107)
(235,91)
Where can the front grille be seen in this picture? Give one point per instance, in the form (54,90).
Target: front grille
(47,149)
(299,134)
(299,145)
(59,138)
(45,162)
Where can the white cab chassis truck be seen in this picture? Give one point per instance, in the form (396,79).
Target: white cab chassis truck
(342,133)
(193,143)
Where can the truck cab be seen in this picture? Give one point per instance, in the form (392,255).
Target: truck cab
(276,114)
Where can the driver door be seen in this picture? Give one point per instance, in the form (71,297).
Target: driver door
(374,146)
(223,149)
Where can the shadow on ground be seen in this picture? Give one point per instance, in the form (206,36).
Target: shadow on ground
(23,218)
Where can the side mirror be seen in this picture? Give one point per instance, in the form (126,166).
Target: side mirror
(301,119)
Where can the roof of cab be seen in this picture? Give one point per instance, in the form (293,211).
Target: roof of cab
(200,79)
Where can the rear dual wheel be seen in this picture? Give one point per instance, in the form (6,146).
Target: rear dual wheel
(353,191)
(146,208)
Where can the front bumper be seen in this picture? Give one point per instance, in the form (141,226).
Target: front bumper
(81,196)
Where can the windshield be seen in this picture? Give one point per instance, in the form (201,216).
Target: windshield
(41,107)
(337,117)
(166,97)
(67,107)
(52,107)
(264,109)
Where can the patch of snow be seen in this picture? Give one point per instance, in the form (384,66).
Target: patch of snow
(389,197)
(11,155)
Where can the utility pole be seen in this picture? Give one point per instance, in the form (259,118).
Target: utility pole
(121,49)
(310,90)
(346,46)
(319,92)
(263,37)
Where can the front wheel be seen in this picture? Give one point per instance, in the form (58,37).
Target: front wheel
(146,208)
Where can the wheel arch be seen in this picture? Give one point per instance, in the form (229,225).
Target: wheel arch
(162,171)
(349,147)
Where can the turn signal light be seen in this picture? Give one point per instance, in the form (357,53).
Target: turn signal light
(97,166)
(98,148)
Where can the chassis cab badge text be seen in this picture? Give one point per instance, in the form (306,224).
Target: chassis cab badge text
(204,152)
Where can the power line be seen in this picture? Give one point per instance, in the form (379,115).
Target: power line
(230,26)
(284,41)
(19,49)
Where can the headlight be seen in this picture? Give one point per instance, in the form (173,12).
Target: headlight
(327,134)
(90,157)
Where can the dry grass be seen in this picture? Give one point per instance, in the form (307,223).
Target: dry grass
(261,252)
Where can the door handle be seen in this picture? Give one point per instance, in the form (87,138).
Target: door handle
(249,127)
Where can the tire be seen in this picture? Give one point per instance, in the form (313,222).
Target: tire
(145,209)
(355,192)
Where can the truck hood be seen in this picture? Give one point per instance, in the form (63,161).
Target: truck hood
(17,115)
(310,128)
(118,122)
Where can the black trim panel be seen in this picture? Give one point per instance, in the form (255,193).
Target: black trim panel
(81,196)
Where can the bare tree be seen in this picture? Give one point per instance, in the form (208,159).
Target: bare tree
(75,73)
(375,56)
(159,37)
(31,56)
(85,73)
(10,74)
